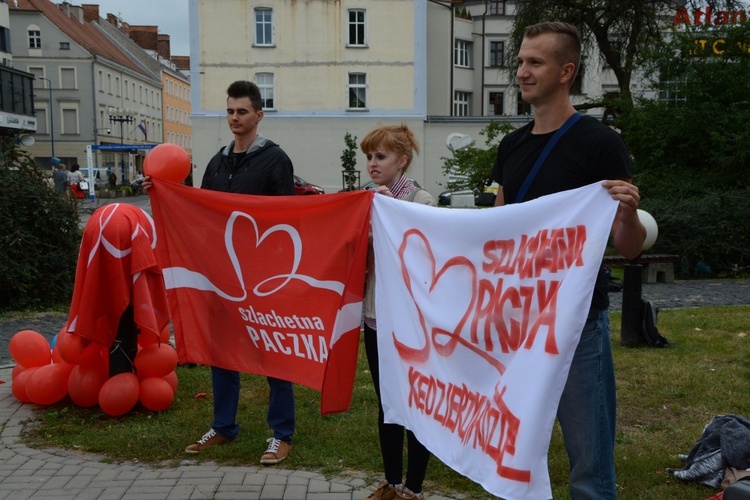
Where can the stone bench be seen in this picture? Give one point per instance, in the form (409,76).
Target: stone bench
(656,268)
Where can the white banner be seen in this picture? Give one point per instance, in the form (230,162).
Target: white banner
(479,313)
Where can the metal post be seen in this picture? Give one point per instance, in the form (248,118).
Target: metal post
(630,332)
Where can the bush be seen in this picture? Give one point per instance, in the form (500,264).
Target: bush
(710,232)
(40,237)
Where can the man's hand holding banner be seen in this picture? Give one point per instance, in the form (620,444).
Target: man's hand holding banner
(266,284)
(479,315)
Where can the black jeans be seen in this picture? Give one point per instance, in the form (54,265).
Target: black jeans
(392,435)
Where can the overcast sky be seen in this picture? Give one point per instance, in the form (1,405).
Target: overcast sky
(171,16)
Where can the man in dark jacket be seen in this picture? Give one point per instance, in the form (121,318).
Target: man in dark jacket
(250,164)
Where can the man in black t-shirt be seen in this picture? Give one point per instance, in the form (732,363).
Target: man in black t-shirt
(548,60)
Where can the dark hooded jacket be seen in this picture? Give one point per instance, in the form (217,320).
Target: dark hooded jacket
(264,170)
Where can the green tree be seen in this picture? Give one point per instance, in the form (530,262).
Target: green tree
(40,237)
(473,165)
(348,162)
(691,147)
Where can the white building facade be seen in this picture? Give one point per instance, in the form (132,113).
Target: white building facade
(327,68)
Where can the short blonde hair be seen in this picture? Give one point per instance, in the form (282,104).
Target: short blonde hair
(570,48)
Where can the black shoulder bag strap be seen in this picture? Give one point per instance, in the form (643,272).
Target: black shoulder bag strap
(543,156)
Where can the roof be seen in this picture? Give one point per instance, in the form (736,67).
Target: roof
(84,34)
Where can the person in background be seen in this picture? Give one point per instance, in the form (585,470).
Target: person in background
(389,151)
(548,61)
(250,164)
(74,177)
(60,178)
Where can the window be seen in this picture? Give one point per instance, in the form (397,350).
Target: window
(265,85)
(69,118)
(497,7)
(462,104)
(577,87)
(263,27)
(4,39)
(497,54)
(523,107)
(42,124)
(357,27)
(670,90)
(64,45)
(357,90)
(495,104)
(462,54)
(35,39)
(68,78)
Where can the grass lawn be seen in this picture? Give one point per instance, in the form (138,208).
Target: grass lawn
(665,398)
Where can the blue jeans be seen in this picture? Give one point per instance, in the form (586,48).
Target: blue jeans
(226,387)
(587,414)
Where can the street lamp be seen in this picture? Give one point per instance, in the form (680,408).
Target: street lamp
(121,116)
(51,117)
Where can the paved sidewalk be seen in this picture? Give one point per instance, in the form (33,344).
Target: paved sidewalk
(27,473)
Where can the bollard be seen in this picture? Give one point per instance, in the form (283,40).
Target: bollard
(630,332)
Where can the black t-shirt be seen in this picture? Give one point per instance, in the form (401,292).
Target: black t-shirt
(587,153)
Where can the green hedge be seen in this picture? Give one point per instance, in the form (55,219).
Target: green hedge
(39,239)
(710,232)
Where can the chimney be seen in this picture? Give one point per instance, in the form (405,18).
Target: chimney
(164,48)
(113,20)
(146,37)
(72,11)
(182,62)
(90,12)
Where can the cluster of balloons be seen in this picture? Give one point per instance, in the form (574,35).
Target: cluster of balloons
(79,368)
(167,161)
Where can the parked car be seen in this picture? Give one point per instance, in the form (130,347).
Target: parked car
(486,199)
(303,187)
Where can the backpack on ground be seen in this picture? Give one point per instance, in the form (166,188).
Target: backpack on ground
(649,314)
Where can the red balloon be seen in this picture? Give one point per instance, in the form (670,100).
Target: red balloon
(119,394)
(167,161)
(30,348)
(85,382)
(156,394)
(172,379)
(56,354)
(155,360)
(148,337)
(75,349)
(16,371)
(48,384)
(19,384)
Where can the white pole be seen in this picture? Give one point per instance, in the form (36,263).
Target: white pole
(90,169)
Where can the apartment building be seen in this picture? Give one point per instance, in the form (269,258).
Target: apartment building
(88,88)
(327,68)
(16,87)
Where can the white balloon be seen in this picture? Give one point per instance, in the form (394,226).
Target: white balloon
(652,229)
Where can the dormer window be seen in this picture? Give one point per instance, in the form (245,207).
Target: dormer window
(35,39)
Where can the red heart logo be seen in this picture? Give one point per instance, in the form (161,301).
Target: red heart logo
(425,286)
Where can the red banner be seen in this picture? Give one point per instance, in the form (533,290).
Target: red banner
(271,285)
